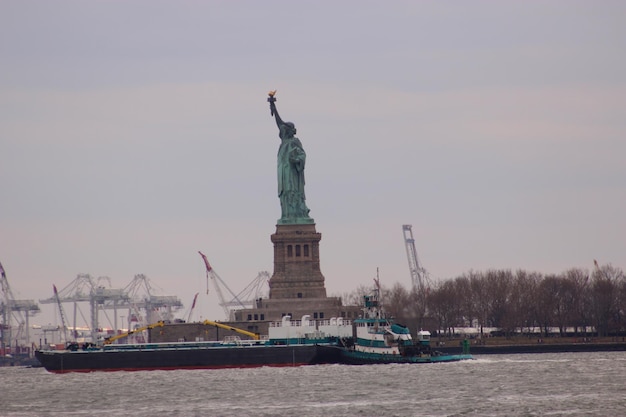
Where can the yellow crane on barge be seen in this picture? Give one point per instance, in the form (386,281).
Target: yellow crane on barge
(111,339)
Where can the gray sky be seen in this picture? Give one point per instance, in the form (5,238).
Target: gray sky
(135,133)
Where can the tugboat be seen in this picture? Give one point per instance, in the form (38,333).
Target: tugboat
(377,339)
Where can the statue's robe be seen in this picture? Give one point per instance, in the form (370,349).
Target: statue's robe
(291,161)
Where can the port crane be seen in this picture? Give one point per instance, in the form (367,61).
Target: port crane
(11,310)
(419,276)
(253,290)
(142,296)
(62,314)
(101,297)
(245,298)
(193,305)
(95,292)
(213,276)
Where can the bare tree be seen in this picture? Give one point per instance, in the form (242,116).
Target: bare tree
(605,298)
(547,302)
(355,297)
(466,299)
(523,299)
(498,288)
(418,308)
(397,302)
(580,312)
(444,304)
(480,298)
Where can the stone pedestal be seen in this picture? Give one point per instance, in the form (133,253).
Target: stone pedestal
(297,285)
(297,272)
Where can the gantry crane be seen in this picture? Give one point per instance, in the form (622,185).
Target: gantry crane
(14,310)
(142,296)
(101,297)
(79,290)
(97,293)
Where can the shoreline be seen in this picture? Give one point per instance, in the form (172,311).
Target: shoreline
(518,348)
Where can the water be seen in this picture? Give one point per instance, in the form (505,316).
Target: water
(567,384)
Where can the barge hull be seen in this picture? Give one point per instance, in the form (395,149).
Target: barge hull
(170,359)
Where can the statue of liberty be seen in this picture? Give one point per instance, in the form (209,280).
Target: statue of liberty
(291,160)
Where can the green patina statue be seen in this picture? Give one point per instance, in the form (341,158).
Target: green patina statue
(291,160)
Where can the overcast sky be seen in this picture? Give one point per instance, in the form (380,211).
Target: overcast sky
(135,133)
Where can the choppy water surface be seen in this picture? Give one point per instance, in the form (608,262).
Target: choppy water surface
(571,384)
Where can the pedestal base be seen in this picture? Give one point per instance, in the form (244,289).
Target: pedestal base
(297,272)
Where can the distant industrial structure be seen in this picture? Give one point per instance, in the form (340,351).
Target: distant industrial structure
(138,298)
(419,276)
(244,299)
(15,317)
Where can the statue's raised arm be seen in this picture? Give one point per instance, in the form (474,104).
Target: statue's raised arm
(272,100)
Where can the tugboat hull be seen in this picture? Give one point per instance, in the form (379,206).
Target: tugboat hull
(353,357)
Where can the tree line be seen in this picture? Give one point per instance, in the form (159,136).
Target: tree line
(577,302)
